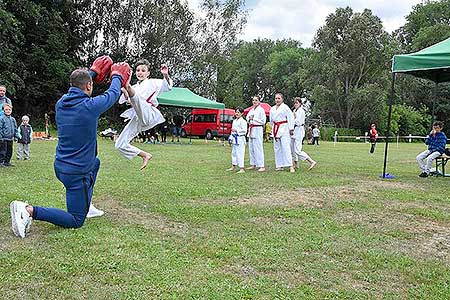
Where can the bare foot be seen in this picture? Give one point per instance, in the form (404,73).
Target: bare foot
(145,159)
(240,171)
(292,169)
(262,169)
(230,169)
(313,164)
(250,168)
(278,169)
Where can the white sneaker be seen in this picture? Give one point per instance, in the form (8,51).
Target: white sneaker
(20,218)
(94,212)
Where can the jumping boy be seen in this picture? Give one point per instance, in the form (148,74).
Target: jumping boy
(436,142)
(143,115)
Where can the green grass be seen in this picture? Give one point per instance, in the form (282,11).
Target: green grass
(185,229)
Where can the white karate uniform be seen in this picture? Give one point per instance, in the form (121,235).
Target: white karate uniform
(299,134)
(255,136)
(237,138)
(281,134)
(143,115)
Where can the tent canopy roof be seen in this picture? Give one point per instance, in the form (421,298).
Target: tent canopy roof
(431,63)
(183,97)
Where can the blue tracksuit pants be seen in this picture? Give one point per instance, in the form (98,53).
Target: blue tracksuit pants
(79,189)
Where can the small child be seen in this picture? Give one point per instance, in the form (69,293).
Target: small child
(436,142)
(238,140)
(373,135)
(25,136)
(268,131)
(8,130)
(316,135)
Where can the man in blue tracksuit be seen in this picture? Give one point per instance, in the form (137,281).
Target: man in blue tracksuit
(76,163)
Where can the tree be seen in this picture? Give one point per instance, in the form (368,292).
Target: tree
(262,67)
(10,44)
(353,52)
(216,34)
(420,30)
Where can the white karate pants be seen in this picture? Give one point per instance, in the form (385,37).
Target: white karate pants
(255,147)
(282,149)
(238,153)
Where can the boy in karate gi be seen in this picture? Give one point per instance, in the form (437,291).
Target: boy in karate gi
(282,121)
(237,139)
(256,117)
(144,114)
(299,134)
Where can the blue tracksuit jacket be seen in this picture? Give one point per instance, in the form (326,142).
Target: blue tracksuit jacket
(77,120)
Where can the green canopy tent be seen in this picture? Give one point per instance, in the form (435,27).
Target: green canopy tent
(183,97)
(432,63)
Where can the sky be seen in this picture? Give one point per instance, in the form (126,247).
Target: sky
(300,20)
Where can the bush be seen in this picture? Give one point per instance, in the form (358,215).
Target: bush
(327,133)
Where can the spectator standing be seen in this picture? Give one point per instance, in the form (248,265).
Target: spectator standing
(316,135)
(24,140)
(3,98)
(8,131)
(177,121)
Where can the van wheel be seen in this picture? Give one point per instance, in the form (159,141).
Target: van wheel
(208,135)
(183,133)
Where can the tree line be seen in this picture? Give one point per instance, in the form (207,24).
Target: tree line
(345,73)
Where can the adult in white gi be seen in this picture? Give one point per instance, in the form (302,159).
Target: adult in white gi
(282,122)
(299,134)
(256,118)
(237,139)
(143,115)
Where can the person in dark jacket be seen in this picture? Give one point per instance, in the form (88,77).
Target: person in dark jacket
(76,163)
(3,98)
(25,133)
(436,142)
(8,131)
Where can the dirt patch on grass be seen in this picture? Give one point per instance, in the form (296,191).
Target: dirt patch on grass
(148,220)
(405,233)
(306,197)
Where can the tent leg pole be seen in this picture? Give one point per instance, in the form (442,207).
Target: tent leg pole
(391,100)
(192,120)
(433,109)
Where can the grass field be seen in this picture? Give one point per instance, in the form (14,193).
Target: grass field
(185,229)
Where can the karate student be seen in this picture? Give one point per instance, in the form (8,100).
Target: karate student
(282,121)
(143,115)
(299,134)
(256,117)
(76,162)
(237,139)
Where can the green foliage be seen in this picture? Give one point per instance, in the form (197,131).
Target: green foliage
(262,67)
(409,120)
(348,74)
(425,24)
(327,133)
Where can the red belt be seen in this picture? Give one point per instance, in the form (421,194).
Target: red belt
(149,99)
(251,127)
(276,127)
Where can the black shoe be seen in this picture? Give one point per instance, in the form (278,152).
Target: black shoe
(423,175)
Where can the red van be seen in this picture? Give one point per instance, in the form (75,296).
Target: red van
(208,123)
